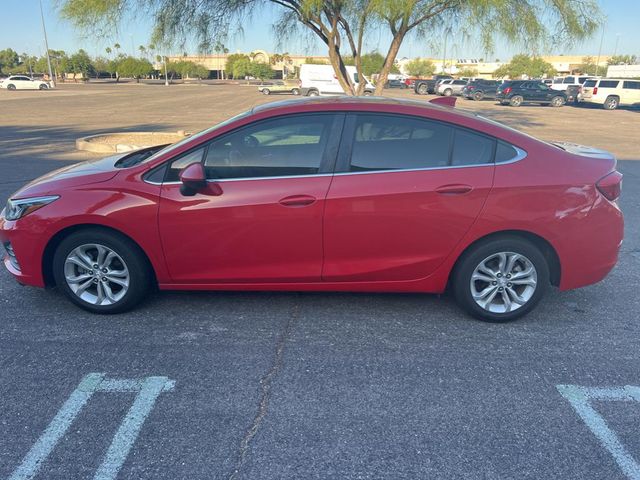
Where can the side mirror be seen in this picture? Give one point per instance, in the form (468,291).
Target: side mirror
(193,179)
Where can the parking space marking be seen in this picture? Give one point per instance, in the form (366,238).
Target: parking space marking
(147,389)
(580,399)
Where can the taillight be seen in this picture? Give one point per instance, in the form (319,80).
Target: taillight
(594,91)
(610,185)
(507,91)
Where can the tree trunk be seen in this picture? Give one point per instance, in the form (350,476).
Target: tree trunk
(389,60)
(339,68)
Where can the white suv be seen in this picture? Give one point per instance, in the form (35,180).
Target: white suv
(562,83)
(611,92)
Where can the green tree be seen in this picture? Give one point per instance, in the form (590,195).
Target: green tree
(622,60)
(314,61)
(8,60)
(80,64)
(521,65)
(187,69)
(231,61)
(467,72)
(342,25)
(588,66)
(260,70)
(420,68)
(132,67)
(241,67)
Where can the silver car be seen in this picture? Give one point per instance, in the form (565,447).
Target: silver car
(450,87)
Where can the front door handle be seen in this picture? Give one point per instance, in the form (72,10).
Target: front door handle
(297,200)
(455,189)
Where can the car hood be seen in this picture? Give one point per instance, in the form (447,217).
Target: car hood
(85,173)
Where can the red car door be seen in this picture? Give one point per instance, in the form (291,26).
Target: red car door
(405,192)
(266,225)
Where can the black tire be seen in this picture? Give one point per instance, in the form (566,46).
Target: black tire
(295,91)
(43,87)
(557,101)
(11,86)
(367,93)
(313,93)
(611,103)
(266,91)
(140,273)
(448,92)
(474,256)
(423,89)
(478,96)
(516,101)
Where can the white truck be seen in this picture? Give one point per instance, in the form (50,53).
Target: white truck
(321,80)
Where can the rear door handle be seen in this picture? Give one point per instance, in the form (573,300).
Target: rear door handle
(297,200)
(456,189)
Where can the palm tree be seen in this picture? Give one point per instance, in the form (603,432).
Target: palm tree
(108,50)
(143,50)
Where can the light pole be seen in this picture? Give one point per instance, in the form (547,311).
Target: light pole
(615,49)
(599,51)
(46,46)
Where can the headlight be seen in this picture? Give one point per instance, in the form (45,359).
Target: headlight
(16,209)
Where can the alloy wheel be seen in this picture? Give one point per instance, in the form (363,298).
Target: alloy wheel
(96,274)
(503,282)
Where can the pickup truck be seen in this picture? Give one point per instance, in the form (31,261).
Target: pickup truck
(422,87)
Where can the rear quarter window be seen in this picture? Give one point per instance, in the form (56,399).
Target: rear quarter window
(608,84)
(631,85)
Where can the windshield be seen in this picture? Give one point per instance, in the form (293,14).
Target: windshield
(177,145)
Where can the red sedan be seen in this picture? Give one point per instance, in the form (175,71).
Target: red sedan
(326,194)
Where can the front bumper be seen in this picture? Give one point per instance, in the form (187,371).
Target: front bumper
(28,247)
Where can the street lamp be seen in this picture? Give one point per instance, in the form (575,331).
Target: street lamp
(46,46)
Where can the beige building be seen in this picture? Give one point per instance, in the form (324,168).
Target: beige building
(287,64)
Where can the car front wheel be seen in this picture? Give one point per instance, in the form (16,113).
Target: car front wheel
(557,101)
(422,89)
(43,86)
(266,91)
(101,271)
(11,86)
(501,279)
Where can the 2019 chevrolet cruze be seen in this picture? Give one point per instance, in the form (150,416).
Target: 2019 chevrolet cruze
(348,194)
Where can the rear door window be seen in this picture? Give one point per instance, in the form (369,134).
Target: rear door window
(590,83)
(608,84)
(394,142)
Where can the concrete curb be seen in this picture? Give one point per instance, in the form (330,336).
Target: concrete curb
(93,143)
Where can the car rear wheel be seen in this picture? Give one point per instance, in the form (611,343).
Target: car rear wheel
(557,101)
(295,91)
(422,89)
(501,279)
(448,92)
(11,86)
(313,93)
(266,91)
(43,86)
(101,272)
(611,103)
(516,101)
(478,96)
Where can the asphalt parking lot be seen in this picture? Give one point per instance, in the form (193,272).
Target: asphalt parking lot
(311,385)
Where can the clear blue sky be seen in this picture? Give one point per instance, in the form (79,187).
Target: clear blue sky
(20,29)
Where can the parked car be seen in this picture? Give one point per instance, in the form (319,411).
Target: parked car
(481,89)
(321,80)
(450,87)
(396,84)
(518,92)
(611,92)
(457,191)
(423,87)
(562,83)
(280,86)
(22,82)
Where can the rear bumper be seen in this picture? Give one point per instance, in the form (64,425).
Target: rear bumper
(592,250)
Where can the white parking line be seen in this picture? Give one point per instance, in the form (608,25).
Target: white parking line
(148,389)
(580,398)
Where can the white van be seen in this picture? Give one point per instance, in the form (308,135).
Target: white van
(322,80)
(611,92)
